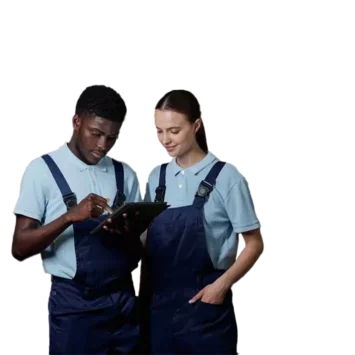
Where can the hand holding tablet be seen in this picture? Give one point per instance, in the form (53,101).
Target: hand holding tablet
(139,214)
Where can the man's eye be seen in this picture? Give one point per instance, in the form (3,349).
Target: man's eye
(96,134)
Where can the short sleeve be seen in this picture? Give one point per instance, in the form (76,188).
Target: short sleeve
(135,195)
(133,184)
(147,197)
(152,184)
(32,198)
(240,207)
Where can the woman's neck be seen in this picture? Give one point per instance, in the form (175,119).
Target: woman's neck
(190,158)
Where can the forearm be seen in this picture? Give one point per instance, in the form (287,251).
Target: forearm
(31,241)
(247,258)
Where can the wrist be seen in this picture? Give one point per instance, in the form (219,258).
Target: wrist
(224,285)
(68,218)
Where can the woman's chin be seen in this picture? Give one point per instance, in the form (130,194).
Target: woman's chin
(172,153)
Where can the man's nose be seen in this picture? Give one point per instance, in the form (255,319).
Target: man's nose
(102,144)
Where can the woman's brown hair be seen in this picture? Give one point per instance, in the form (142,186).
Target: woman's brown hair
(187,103)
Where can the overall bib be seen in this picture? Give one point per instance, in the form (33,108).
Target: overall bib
(95,312)
(179,266)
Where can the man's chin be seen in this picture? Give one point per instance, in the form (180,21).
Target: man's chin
(92,160)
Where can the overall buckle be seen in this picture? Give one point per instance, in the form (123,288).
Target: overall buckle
(70,201)
(159,193)
(204,189)
(120,198)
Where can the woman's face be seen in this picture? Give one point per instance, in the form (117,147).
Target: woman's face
(175,132)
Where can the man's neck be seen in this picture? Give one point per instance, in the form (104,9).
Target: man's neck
(72,147)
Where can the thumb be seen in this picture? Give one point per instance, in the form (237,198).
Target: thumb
(197,296)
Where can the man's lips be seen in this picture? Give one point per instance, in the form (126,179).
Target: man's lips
(98,154)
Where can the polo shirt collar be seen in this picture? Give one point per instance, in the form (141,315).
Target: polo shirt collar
(195,169)
(73,159)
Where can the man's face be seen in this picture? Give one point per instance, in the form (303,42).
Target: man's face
(95,137)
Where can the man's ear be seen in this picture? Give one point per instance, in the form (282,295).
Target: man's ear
(77,123)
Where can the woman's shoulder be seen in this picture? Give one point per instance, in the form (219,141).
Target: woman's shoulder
(229,178)
(155,173)
(230,173)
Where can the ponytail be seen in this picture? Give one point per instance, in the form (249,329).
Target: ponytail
(201,138)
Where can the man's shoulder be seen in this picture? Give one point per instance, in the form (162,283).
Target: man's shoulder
(58,154)
(36,165)
(54,154)
(127,168)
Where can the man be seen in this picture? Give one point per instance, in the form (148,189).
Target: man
(63,197)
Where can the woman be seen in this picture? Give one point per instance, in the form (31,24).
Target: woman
(190,255)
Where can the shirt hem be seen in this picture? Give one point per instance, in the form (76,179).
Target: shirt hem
(247,228)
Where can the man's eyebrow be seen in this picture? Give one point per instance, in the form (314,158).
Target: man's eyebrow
(99,130)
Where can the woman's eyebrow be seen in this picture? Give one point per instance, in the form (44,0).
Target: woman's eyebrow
(175,127)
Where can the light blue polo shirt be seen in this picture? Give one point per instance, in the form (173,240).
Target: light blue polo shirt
(229,209)
(41,199)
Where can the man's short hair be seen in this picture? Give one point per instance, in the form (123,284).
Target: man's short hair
(102,101)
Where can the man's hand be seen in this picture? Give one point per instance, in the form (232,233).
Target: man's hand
(91,206)
(128,233)
(130,226)
(213,293)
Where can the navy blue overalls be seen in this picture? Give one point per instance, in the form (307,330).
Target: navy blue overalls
(179,266)
(95,312)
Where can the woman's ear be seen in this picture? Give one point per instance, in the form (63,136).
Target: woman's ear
(198,124)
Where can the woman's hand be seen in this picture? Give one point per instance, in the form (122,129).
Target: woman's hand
(213,293)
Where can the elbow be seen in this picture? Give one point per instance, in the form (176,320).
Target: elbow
(260,244)
(17,255)
(261,248)
(18,252)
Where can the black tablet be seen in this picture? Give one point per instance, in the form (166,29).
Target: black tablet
(147,211)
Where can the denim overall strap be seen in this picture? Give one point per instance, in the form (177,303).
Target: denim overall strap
(206,186)
(119,174)
(160,190)
(69,197)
